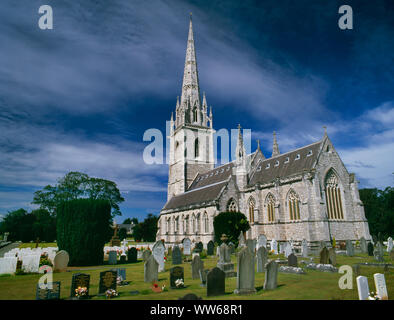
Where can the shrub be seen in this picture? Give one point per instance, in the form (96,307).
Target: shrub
(83,227)
(231,224)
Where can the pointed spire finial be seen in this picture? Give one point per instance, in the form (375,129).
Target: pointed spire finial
(258,144)
(275,147)
(325,130)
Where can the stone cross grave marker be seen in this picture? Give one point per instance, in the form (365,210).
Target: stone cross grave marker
(245,272)
(151,269)
(107,281)
(80,280)
(362,288)
(216,282)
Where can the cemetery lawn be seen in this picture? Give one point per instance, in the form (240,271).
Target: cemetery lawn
(314,285)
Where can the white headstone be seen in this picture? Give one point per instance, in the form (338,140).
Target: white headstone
(187,244)
(380,284)
(362,287)
(31,263)
(287,249)
(304,248)
(262,241)
(274,246)
(389,244)
(158,252)
(60,262)
(8,265)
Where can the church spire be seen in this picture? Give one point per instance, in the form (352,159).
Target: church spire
(275,147)
(240,149)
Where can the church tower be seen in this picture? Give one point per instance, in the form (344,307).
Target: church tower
(191,132)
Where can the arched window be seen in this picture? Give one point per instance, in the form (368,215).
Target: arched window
(176,224)
(193,224)
(251,205)
(196,148)
(195,114)
(206,223)
(198,221)
(270,204)
(168,225)
(231,205)
(294,206)
(333,196)
(187,224)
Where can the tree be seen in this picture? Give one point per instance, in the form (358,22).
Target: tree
(127,221)
(231,224)
(44,225)
(18,224)
(122,234)
(147,229)
(77,185)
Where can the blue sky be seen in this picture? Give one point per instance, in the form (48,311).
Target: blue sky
(80,97)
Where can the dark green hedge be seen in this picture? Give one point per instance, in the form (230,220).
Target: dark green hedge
(231,224)
(83,227)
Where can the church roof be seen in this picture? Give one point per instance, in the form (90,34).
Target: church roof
(286,164)
(215,175)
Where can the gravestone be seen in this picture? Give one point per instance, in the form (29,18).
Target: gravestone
(231,247)
(48,293)
(274,246)
(332,256)
(262,241)
(250,245)
(262,258)
(151,269)
(203,277)
(79,280)
(304,248)
(281,248)
(241,240)
(245,272)
(31,263)
(370,249)
(197,265)
(210,248)
(132,255)
(287,249)
(158,252)
(112,257)
(322,245)
(380,284)
(292,260)
(349,248)
(121,272)
(389,244)
(271,275)
(107,281)
(187,246)
(378,252)
(146,254)
(216,280)
(60,262)
(175,274)
(363,245)
(176,255)
(362,288)
(8,265)
(224,262)
(324,257)
(199,247)
(123,258)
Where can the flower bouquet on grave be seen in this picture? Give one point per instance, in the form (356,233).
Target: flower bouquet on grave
(373,296)
(81,293)
(156,288)
(179,283)
(163,288)
(111,293)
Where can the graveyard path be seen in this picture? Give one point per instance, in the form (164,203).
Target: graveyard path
(8,248)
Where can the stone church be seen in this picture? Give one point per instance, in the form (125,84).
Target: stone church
(306,193)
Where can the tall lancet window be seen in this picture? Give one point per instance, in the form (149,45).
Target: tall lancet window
(198,222)
(187,224)
(196,148)
(333,196)
(294,206)
(270,204)
(206,223)
(195,115)
(251,205)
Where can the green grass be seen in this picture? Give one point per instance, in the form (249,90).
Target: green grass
(314,285)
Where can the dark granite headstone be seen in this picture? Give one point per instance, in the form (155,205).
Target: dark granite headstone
(79,280)
(370,249)
(48,294)
(132,255)
(216,280)
(122,259)
(107,281)
(210,248)
(324,258)
(176,255)
(292,260)
(175,274)
(190,296)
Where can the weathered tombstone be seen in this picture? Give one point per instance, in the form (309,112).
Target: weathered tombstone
(176,255)
(50,292)
(112,257)
(274,246)
(262,259)
(287,249)
(231,247)
(349,248)
(199,246)
(241,240)
(362,288)
(378,252)
(322,244)
(151,269)
(304,248)
(216,282)
(158,252)
(250,245)
(107,281)
(363,245)
(210,247)
(175,274)
(380,284)
(245,272)
(324,257)
(370,249)
(60,262)
(121,272)
(80,280)
(187,246)
(132,255)
(203,277)
(389,244)
(262,241)
(292,260)
(146,254)
(197,265)
(271,275)
(332,256)
(224,262)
